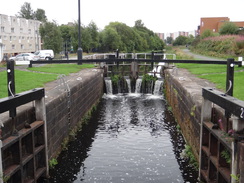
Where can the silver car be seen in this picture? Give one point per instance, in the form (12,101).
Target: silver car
(23,57)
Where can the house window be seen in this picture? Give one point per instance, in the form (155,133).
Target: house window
(13,46)
(23,37)
(30,46)
(12,30)
(21,30)
(10,38)
(22,47)
(202,24)
(5,37)
(29,30)
(2,29)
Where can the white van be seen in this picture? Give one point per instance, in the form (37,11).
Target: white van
(44,55)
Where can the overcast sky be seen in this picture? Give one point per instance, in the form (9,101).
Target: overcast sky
(157,15)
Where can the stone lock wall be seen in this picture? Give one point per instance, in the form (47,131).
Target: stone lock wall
(183,94)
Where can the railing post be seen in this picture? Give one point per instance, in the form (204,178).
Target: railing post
(230,76)
(152,63)
(30,65)
(229,84)
(11,84)
(117,56)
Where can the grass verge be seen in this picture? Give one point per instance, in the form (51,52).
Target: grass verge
(61,68)
(215,74)
(25,80)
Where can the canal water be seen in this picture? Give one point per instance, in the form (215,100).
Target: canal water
(131,138)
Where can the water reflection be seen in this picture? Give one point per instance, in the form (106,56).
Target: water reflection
(131,138)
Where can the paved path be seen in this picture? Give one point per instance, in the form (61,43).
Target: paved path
(200,57)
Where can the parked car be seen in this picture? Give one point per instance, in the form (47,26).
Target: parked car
(23,57)
(44,55)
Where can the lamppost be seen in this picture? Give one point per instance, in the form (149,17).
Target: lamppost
(79,51)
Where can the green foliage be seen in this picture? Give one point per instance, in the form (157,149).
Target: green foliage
(169,40)
(180,40)
(4,178)
(40,15)
(207,33)
(228,28)
(129,39)
(236,177)
(148,78)
(110,39)
(26,11)
(232,45)
(52,163)
(51,36)
(226,155)
(178,128)
(189,154)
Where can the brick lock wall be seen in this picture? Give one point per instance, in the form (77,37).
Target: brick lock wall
(86,88)
(61,119)
(186,110)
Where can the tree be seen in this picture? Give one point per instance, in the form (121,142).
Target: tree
(40,15)
(86,40)
(66,34)
(26,11)
(110,39)
(228,28)
(93,30)
(51,36)
(180,40)
(169,40)
(207,33)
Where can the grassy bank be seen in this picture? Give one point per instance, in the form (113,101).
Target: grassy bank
(215,73)
(38,76)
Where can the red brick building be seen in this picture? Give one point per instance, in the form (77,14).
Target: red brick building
(214,24)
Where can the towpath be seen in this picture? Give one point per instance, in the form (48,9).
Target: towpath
(200,57)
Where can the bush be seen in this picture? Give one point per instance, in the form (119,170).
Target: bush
(215,46)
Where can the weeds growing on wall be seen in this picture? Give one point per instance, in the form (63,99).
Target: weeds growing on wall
(188,154)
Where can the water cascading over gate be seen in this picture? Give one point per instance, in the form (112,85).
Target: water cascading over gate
(154,88)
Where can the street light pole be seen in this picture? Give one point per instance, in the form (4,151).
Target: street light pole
(79,51)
